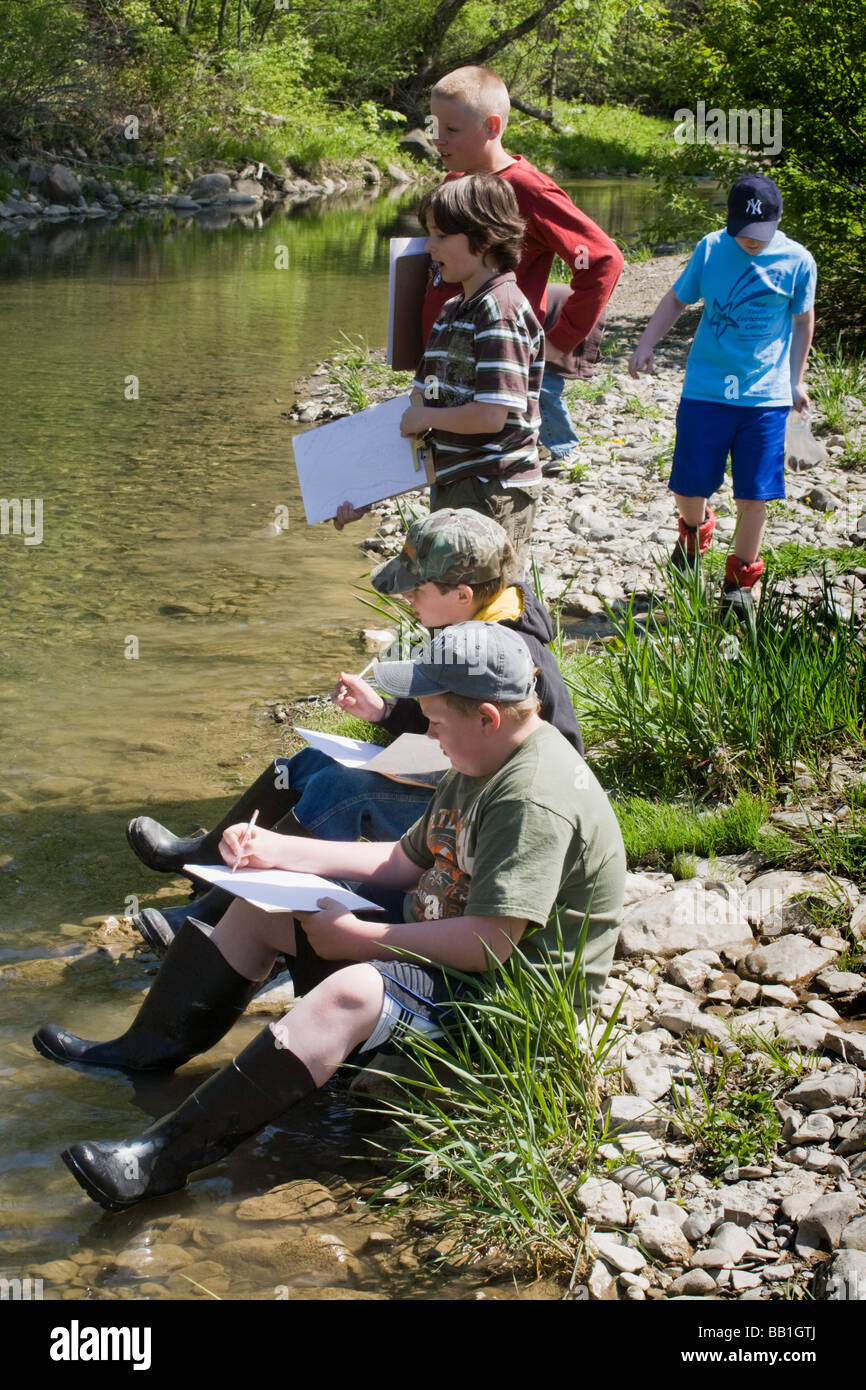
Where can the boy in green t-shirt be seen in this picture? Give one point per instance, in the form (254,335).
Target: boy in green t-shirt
(519,828)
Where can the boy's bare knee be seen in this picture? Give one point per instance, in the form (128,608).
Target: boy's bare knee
(354,988)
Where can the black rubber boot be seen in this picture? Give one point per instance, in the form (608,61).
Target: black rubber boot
(256,1087)
(159,849)
(160,928)
(194,1000)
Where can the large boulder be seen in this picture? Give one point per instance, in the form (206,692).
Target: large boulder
(789,961)
(689,918)
(61,186)
(418,145)
(210,186)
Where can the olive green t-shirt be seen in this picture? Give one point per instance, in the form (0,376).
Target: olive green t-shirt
(536,835)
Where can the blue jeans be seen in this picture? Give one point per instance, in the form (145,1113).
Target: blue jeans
(343,803)
(557,431)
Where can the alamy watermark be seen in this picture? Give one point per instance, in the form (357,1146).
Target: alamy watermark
(22,516)
(734,127)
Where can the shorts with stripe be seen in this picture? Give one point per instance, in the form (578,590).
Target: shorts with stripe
(418,997)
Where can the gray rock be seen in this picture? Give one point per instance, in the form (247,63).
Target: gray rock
(746,992)
(851,1047)
(630,1114)
(854,1235)
(210,186)
(821,500)
(713,1258)
(61,185)
(671,1211)
(639,1182)
(686,1017)
(788,961)
(822,1226)
(806,1031)
(602,1202)
(621,1257)
(855,1142)
(843,1279)
(181,203)
(745,1202)
(601,1283)
(698,1225)
(768,892)
(822,1089)
(693,1284)
(733,1240)
(841,981)
(418,145)
(780,994)
(662,1240)
(670,924)
(692,969)
(648,1078)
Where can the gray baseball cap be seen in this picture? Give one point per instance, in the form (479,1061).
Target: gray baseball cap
(483,661)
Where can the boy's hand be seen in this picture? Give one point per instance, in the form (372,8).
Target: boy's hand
(640,360)
(335,933)
(346,513)
(258,851)
(553,354)
(356,697)
(414,421)
(800,396)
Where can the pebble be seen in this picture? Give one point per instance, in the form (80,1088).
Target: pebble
(662,1240)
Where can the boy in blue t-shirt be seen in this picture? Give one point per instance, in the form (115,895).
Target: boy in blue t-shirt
(744,372)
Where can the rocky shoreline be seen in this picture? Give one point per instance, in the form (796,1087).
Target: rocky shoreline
(49,193)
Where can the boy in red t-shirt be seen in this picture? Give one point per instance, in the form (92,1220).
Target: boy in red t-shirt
(469,109)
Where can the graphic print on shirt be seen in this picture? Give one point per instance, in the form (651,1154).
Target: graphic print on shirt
(443,889)
(752,321)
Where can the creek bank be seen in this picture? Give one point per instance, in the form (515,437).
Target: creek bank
(50,192)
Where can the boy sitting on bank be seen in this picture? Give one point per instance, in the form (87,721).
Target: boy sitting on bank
(454,566)
(518,830)
(744,371)
(475,394)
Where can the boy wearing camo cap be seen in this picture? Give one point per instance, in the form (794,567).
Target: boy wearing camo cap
(455,565)
(519,833)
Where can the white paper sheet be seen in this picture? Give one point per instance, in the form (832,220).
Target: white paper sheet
(279,890)
(359,459)
(351,752)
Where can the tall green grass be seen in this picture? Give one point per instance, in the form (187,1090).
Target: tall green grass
(657,834)
(497,1127)
(686,699)
(835,377)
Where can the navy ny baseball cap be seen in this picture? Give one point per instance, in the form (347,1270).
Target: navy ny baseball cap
(754,207)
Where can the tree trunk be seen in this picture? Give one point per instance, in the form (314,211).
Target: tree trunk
(221,22)
(539,115)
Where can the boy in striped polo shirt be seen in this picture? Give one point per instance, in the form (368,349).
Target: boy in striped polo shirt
(477,386)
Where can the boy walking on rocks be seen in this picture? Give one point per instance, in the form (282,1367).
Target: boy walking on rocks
(744,371)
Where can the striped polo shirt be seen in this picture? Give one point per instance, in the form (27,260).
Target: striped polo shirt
(488,348)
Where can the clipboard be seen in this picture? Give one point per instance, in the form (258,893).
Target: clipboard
(361,459)
(408,273)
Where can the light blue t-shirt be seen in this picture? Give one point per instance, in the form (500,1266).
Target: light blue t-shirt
(741,349)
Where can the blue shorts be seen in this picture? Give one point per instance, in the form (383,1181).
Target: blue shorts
(753,435)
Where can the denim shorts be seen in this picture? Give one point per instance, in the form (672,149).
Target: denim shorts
(753,435)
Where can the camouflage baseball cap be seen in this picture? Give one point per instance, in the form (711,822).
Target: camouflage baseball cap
(448,546)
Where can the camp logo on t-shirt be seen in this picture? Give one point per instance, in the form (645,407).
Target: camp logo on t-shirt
(443,889)
(742,308)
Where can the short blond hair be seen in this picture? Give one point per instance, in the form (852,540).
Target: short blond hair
(516,711)
(480,89)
